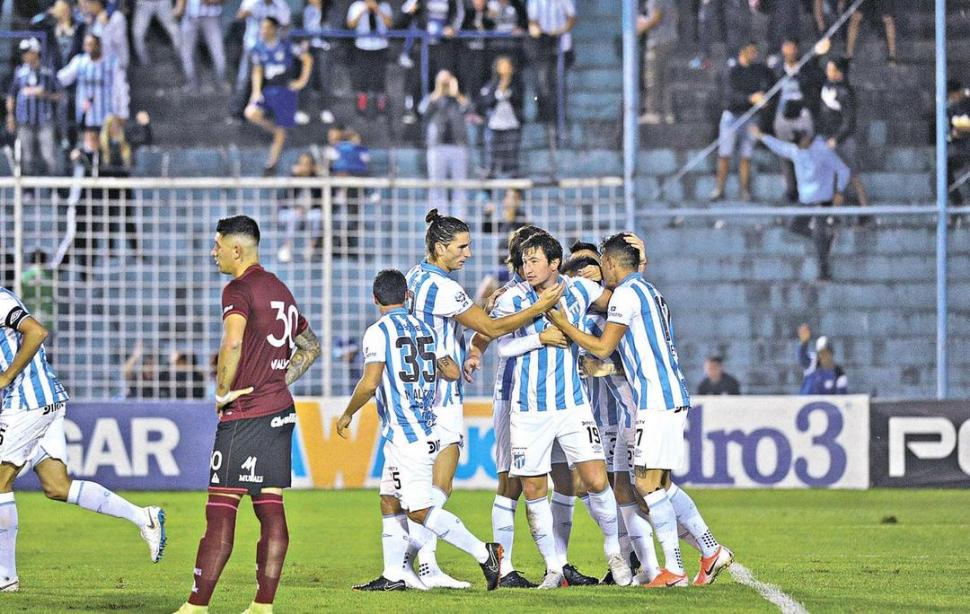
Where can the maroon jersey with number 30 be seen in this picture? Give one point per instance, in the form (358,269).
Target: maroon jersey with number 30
(273,322)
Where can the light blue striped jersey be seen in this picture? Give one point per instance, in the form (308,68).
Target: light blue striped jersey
(37,385)
(437,299)
(548,378)
(647,348)
(405,399)
(506,366)
(609,397)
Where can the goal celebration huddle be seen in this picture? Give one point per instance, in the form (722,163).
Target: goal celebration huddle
(588,392)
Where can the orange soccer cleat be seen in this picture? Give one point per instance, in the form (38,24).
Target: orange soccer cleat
(712,565)
(667,579)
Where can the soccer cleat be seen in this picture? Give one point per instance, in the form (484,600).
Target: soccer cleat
(712,565)
(553,579)
(259,608)
(621,571)
(514,579)
(10,585)
(492,567)
(188,608)
(154,532)
(435,578)
(641,579)
(381,584)
(575,578)
(667,579)
(410,578)
(608,579)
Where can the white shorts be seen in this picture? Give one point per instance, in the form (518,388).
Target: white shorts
(408,472)
(660,439)
(623,450)
(503,443)
(450,425)
(535,432)
(30,435)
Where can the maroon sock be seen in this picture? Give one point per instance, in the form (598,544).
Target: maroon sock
(271,549)
(215,545)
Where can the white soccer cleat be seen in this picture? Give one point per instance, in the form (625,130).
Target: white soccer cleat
(9,585)
(154,532)
(411,579)
(553,579)
(621,570)
(435,578)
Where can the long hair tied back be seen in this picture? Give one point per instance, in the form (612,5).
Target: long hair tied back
(441,229)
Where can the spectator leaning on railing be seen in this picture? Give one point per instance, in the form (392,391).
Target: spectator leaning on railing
(822,375)
(30,109)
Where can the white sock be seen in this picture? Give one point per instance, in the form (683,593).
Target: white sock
(602,506)
(540,523)
(641,536)
(562,521)
(449,527)
(685,536)
(9,524)
(95,497)
(394,543)
(622,534)
(428,554)
(664,521)
(690,518)
(503,528)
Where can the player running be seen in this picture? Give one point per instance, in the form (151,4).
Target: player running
(266,346)
(402,365)
(32,436)
(441,303)
(638,325)
(550,406)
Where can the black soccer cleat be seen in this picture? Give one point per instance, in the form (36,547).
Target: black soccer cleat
(381,584)
(574,578)
(492,568)
(514,579)
(634,563)
(608,579)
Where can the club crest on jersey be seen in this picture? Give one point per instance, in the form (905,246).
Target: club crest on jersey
(518,458)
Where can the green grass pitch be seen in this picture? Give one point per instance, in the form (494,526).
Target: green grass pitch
(833,551)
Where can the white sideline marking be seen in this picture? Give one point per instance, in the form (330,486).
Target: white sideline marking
(785,602)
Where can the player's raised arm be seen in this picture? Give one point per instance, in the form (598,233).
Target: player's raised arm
(307,352)
(368,384)
(33,335)
(601,347)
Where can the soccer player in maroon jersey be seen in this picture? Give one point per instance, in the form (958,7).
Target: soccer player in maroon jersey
(266,345)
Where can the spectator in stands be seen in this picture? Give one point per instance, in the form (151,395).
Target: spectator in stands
(475,67)
(447,142)
(784,21)
(512,19)
(162,11)
(37,289)
(716,381)
(440,20)
(743,87)
(550,26)
(204,15)
(102,90)
(822,375)
(30,109)
(797,103)
(114,152)
(301,206)
(183,379)
(273,101)
(822,177)
(371,20)
(511,216)
(141,374)
(958,135)
(876,10)
(66,32)
(111,27)
(502,99)
(725,20)
(659,26)
(321,15)
(836,121)
(254,12)
(348,157)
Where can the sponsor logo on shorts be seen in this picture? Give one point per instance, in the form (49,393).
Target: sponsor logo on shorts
(256,479)
(518,458)
(279,421)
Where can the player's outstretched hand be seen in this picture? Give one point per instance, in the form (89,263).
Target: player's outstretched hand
(554,337)
(472,364)
(343,423)
(550,296)
(231,396)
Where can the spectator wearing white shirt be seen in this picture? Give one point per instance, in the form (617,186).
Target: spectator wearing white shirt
(371,20)
(550,24)
(254,12)
(111,29)
(145,10)
(204,15)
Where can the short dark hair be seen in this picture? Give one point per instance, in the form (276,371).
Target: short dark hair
(841,64)
(441,229)
(272,20)
(576,264)
(547,243)
(239,225)
(519,236)
(953,85)
(716,358)
(791,38)
(617,248)
(390,287)
(579,246)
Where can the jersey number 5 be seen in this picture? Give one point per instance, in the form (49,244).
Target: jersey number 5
(410,357)
(291,318)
